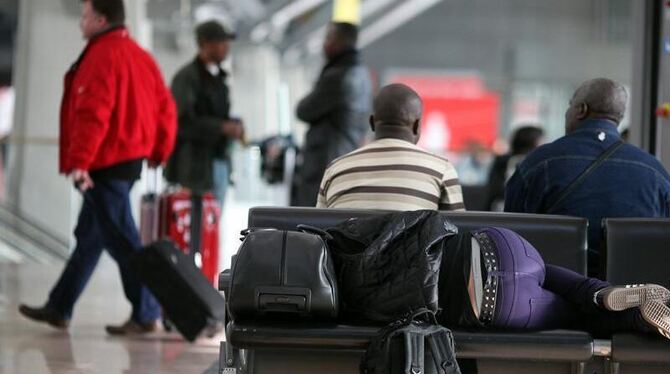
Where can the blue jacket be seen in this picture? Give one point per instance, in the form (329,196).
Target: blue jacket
(631,183)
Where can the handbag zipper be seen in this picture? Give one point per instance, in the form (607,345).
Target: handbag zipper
(283,260)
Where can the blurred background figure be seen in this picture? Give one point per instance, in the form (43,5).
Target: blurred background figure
(473,168)
(336,110)
(524,140)
(201,159)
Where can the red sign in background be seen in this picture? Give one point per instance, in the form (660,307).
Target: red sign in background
(458,110)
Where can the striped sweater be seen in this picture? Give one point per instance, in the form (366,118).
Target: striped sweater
(391,174)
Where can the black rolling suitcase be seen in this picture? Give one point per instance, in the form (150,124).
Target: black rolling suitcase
(191,303)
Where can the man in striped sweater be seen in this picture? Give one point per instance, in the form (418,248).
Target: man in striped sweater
(392,172)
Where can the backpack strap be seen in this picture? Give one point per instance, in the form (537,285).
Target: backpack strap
(414,351)
(442,349)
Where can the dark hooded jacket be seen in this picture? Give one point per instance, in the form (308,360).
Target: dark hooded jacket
(388,265)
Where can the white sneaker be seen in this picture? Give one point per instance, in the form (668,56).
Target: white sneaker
(617,298)
(657,315)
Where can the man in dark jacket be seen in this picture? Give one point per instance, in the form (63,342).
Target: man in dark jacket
(116,111)
(630,183)
(201,161)
(336,110)
(205,126)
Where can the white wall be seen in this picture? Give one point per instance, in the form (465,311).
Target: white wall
(48,41)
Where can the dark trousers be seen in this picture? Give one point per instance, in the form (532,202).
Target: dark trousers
(105,221)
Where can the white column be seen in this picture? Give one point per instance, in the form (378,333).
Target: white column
(48,41)
(138,23)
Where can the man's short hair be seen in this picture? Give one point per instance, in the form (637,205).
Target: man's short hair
(113,10)
(604,97)
(346,32)
(397,104)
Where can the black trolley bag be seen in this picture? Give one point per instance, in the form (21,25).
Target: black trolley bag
(282,273)
(188,299)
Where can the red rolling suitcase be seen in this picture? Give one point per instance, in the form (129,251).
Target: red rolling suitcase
(175,224)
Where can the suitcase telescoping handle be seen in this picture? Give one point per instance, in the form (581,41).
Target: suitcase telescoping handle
(152,180)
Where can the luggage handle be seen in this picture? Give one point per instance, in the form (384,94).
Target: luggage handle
(282,303)
(307,229)
(279,299)
(152,176)
(244,233)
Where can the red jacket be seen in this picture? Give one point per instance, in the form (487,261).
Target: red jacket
(115,106)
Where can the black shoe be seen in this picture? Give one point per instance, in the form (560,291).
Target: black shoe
(46,315)
(617,298)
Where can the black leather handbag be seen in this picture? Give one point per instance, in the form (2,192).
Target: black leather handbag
(283,273)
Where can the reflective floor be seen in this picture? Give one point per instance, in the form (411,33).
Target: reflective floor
(27,347)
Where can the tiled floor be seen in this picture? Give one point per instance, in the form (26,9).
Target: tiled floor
(27,347)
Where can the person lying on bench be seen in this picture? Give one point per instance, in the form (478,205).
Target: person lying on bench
(494,278)
(392,172)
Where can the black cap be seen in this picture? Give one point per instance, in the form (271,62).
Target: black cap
(213,31)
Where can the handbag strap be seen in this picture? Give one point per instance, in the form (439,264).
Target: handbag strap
(308,229)
(302,228)
(582,177)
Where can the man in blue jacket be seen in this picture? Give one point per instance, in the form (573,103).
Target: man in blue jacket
(628,183)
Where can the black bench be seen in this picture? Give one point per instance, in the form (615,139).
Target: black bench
(560,240)
(638,251)
(306,348)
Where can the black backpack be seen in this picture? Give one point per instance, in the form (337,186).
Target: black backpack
(412,345)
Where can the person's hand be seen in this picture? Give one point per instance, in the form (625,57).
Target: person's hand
(155,164)
(233,129)
(81,179)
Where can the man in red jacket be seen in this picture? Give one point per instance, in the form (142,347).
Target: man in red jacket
(116,112)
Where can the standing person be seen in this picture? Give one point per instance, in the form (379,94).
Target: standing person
(336,110)
(116,112)
(629,182)
(201,160)
(524,140)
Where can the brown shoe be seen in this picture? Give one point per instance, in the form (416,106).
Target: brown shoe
(132,328)
(46,315)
